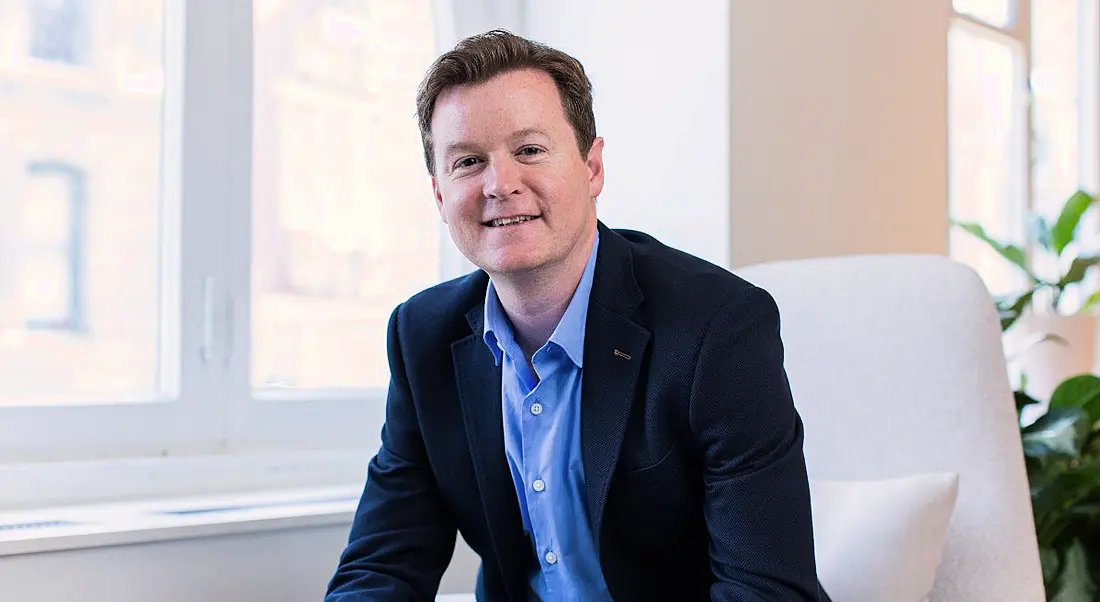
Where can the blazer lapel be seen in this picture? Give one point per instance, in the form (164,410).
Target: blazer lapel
(614,349)
(478,380)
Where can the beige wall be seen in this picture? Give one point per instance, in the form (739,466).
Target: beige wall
(838,128)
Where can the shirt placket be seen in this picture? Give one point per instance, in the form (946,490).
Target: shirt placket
(539,413)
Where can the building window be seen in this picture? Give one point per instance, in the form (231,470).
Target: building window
(50,272)
(59,31)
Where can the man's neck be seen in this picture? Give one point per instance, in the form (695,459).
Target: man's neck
(535,302)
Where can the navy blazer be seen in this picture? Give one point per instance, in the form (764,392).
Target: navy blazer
(692,448)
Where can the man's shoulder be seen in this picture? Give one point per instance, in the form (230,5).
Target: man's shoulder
(672,278)
(442,308)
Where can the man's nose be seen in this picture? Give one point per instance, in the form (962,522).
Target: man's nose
(502,179)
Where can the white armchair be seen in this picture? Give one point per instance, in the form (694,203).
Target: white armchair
(896,366)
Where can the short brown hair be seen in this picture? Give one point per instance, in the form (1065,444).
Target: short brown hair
(482,57)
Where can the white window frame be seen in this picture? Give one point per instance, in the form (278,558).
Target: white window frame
(209,432)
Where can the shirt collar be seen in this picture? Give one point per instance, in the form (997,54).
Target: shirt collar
(568,334)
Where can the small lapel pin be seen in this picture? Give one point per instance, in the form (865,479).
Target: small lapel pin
(621,354)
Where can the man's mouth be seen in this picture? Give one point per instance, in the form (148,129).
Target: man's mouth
(510,221)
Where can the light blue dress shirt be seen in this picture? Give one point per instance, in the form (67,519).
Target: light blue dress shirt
(542,441)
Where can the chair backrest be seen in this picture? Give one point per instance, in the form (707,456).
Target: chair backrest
(896,365)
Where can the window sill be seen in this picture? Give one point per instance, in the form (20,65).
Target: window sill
(33,486)
(110,524)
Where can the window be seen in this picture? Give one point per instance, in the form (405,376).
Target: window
(58,31)
(1019,81)
(51,260)
(224,288)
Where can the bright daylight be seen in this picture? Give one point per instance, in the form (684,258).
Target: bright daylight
(511,300)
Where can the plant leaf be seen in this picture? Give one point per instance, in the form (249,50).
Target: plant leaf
(1023,400)
(1048,557)
(1013,253)
(1075,582)
(1057,489)
(1011,308)
(1060,432)
(1093,300)
(1041,232)
(1078,269)
(1082,391)
(1064,229)
(1085,510)
(1035,340)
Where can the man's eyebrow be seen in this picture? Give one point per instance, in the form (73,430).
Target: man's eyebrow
(529,132)
(459,147)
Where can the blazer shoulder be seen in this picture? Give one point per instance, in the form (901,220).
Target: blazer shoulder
(438,313)
(676,281)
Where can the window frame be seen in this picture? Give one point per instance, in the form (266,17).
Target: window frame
(207,409)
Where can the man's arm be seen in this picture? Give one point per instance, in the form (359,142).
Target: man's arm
(757,501)
(402,538)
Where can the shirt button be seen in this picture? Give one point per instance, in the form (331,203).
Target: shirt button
(539,485)
(551,558)
(536,408)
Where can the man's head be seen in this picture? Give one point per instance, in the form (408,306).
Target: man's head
(508,132)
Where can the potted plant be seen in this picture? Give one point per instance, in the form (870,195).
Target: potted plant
(1057,301)
(1062,455)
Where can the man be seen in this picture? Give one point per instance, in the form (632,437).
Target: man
(601,416)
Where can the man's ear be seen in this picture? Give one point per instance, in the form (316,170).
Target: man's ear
(438,199)
(594,161)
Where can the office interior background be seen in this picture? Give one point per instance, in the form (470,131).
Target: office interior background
(208,209)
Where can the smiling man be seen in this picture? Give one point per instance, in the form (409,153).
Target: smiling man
(599,415)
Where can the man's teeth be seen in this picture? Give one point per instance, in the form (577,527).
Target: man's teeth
(507,221)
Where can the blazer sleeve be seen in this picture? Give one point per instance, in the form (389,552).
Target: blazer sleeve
(402,537)
(757,499)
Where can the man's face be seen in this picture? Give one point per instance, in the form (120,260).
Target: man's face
(510,183)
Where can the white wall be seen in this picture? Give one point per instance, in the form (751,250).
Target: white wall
(838,128)
(660,73)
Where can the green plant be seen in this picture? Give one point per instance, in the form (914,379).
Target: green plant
(1062,455)
(1055,243)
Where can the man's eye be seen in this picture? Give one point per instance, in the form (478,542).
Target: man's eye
(530,151)
(466,162)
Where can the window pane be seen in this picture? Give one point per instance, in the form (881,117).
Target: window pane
(79,203)
(344,225)
(986,156)
(998,13)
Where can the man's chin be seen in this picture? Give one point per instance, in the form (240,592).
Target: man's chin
(513,265)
